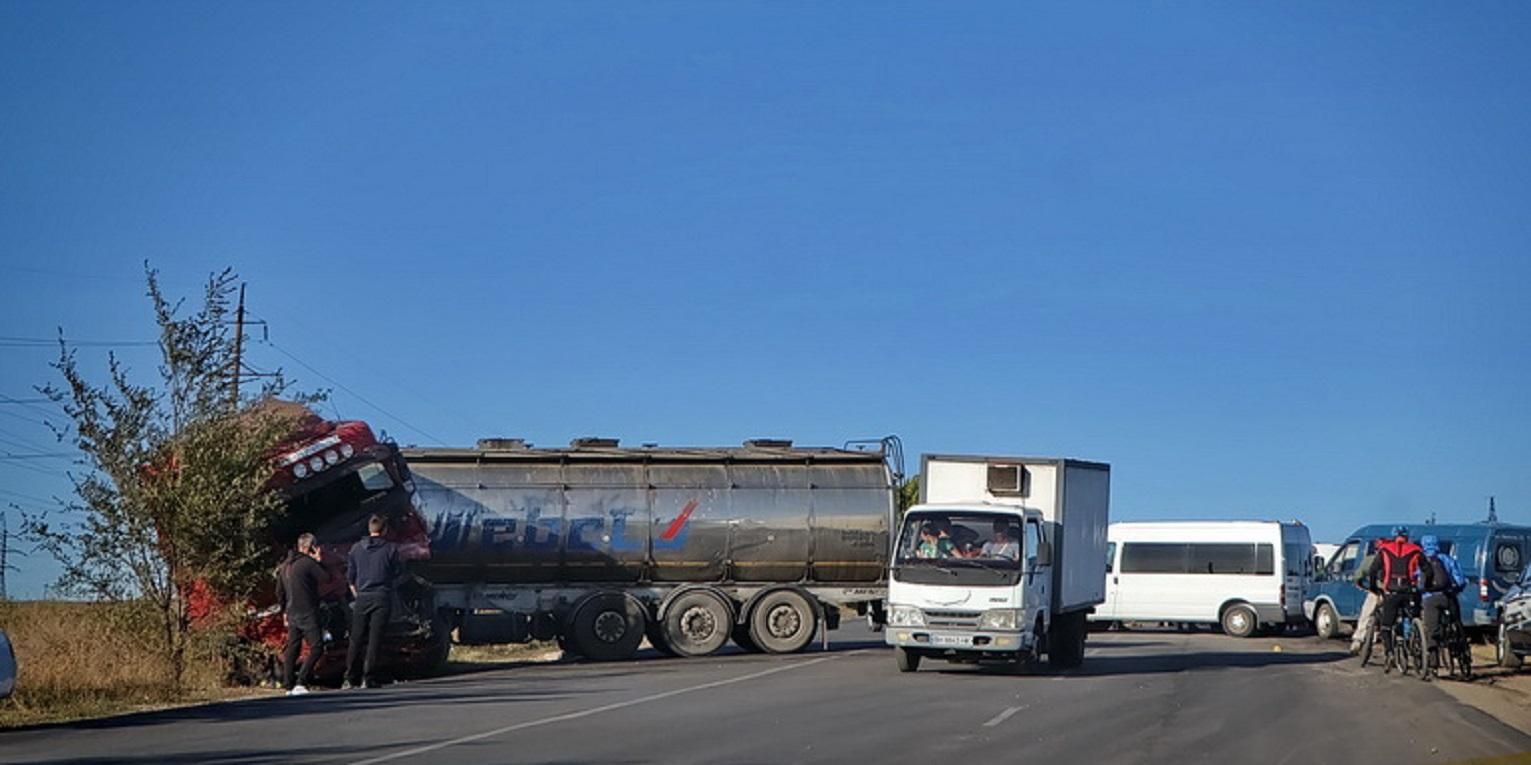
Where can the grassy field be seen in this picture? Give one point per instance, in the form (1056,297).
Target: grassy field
(80,660)
(83,660)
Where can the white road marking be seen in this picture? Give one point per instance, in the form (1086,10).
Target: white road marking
(592,711)
(1002,716)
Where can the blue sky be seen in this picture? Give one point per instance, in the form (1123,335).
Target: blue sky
(1267,260)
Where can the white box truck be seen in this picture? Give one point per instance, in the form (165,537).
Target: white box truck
(1002,561)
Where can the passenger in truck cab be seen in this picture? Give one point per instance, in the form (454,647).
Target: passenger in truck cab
(1003,544)
(933,543)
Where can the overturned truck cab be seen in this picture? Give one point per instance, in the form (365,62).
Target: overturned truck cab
(332,477)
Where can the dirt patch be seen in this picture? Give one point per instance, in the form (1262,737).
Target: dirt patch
(1503,693)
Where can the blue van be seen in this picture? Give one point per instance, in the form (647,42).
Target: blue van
(1491,554)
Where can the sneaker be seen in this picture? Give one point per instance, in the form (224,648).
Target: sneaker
(347,685)
(372,684)
(298,690)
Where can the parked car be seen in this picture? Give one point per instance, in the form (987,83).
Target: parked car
(7,666)
(1492,556)
(1241,575)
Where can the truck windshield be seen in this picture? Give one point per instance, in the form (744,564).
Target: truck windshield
(942,539)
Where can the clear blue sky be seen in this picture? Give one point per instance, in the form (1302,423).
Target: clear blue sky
(1269,260)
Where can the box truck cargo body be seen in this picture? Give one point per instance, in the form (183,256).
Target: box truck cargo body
(1001,561)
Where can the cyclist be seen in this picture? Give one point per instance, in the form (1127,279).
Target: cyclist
(1440,579)
(1366,624)
(1395,570)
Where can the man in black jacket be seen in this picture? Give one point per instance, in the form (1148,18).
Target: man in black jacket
(297,587)
(372,568)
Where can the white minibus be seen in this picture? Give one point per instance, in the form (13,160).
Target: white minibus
(1241,575)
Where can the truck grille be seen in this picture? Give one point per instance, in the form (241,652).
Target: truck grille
(947,618)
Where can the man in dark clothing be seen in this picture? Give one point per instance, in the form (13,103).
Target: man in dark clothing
(1396,570)
(372,567)
(297,587)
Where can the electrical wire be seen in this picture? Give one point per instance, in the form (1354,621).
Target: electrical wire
(353,393)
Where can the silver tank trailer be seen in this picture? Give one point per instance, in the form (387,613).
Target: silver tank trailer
(594,513)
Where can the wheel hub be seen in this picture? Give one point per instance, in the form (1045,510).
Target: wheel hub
(698,624)
(784,621)
(610,626)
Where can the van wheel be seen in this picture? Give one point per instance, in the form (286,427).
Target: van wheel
(1240,621)
(783,622)
(1325,622)
(907,660)
(1504,653)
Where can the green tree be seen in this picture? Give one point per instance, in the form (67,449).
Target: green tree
(908,495)
(173,494)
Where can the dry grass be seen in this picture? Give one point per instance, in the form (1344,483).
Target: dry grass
(79,660)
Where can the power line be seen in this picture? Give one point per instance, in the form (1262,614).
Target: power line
(353,393)
(7,341)
(36,456)
(24,401)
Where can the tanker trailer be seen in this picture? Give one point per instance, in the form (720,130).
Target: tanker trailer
(599,546)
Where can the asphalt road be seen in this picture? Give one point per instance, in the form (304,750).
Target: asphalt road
(1142,697)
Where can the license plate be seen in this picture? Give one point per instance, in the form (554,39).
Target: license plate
(962,641)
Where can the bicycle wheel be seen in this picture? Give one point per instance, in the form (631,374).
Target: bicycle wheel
(1462,652)
(1417,646)
(1368,641)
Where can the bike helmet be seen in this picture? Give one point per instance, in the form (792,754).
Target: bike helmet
(1401,531)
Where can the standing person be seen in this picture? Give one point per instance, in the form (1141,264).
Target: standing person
(1368,619)
(297,587)
(1441,580)
(371,569)
(1395,570)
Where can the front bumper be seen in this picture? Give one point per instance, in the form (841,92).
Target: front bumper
(958,641)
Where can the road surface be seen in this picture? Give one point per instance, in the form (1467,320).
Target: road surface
(1142,697)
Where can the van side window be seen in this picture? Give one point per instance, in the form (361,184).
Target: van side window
(1110,556)
(1347,559)
(1198,558)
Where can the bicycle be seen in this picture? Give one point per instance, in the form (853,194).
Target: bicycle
(1408,650)
(1453,651)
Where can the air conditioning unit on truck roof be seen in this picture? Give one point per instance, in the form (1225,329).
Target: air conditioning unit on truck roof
(1001,561)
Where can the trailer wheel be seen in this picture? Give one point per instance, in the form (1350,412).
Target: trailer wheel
(607,626)
(696,623)
(1325,622)
(907,659)
(783,622)
(741,636)
(1240,621)
(655,633)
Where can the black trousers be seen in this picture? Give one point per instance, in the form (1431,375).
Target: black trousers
(299,632)
(1387,614)
(1438,609)
(369,617)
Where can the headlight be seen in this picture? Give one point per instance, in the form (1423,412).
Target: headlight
(331,457)
(300,470)
(906,616)
(999,619)
(316,462)
(346,451)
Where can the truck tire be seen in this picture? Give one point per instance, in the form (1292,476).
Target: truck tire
(607,626)
(1504,653)
(906,659)
(1240,621)
(696,623)
(1326,622)
(655,633)
(783,622)
(741,636)
(1065,642)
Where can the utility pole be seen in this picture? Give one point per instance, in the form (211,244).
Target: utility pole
(239,342)
(1493,514)
(5,552)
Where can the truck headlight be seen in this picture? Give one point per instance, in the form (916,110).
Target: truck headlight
(1000,619)
(906,616)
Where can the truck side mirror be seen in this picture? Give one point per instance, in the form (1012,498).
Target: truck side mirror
(1044,553)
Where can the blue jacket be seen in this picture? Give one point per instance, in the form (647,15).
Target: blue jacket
(1432,549)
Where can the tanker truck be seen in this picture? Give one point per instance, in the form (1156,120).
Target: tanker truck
(599,546)
(1002,561)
